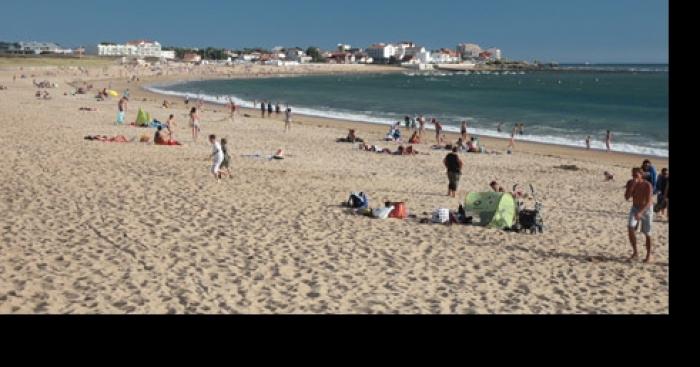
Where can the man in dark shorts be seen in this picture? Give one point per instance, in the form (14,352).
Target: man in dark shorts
(642,194)
(262,109)
(269,109)
(454,171)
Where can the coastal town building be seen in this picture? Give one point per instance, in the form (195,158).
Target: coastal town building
(495,53)
(33,48)
(469,50)
(139,48)
(191,57)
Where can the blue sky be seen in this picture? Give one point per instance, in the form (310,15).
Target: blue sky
(546,30)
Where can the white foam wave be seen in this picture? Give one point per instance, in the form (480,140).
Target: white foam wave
(368,117)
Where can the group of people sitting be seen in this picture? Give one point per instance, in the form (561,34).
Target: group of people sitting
(163,138)
(471,146)
(401,150)
(44,95)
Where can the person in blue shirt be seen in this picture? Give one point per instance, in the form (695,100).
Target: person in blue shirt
(649,172)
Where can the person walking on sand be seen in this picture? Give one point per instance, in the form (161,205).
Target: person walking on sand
(262,109)
(608,140)
(121,109)
(588,142)
(269,109)
(227,158)
(278,109)
(453,164)
(498,128)
(521,129)
(217,157)
(642,195)
(511,144)
(194,123)
(413,123)
(288,119)
(232,109)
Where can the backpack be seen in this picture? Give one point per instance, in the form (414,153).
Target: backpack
(400,210)
(358,200)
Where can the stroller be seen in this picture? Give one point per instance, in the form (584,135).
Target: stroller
(528,219)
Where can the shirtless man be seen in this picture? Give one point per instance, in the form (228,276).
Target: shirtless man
(641,192)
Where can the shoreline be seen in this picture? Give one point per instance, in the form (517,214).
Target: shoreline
(491,142)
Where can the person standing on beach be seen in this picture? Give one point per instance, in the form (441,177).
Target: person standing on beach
(498,128)
(421,125)
(413,123)
(187,100)
(269,109)
(194,123)
(232,109)
(171,126)
(262,109)
(588,142)
(277,108)
(407,121)
(121,109)
(453,164)
(288,119)
(608,140)
(521,130)
(217,157)
(438,131)
(641,192)
(463,131)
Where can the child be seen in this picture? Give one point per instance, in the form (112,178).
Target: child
(227,158)
(217,157)
(171,126)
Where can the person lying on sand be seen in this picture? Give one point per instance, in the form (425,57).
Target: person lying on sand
(109,139)
(87,109)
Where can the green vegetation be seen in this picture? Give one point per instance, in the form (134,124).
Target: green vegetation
(315,54)
(56,60)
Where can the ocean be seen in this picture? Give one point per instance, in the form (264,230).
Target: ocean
(560,106)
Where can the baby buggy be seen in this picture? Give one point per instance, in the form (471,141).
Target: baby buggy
(528,219)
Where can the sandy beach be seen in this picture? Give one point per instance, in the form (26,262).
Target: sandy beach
(94,227)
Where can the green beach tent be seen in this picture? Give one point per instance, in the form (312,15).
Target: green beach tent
(495,209)
(141,118)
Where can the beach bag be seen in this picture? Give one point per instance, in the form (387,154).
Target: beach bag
(382,213)
(358,200)
(441,215)
(400,211)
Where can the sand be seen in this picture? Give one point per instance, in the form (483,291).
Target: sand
(92,227)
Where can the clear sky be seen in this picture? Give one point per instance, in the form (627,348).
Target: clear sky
(545,30)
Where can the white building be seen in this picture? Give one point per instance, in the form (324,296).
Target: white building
(381,52)
(469,50)
(343,47)
(140,48)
